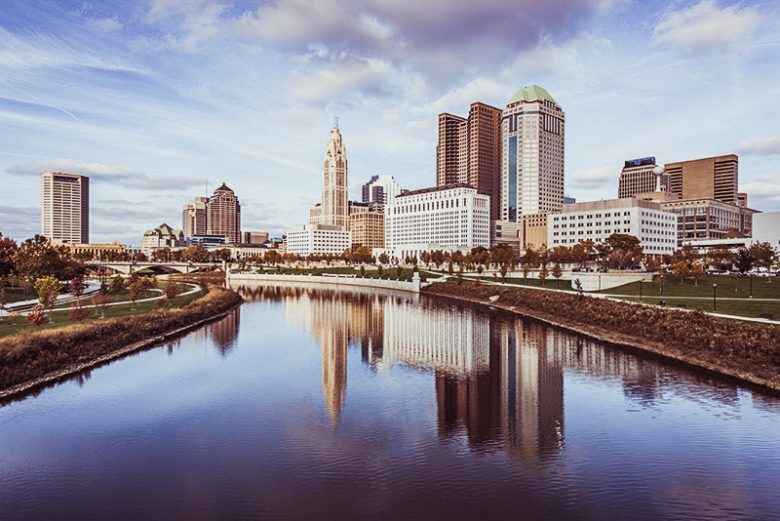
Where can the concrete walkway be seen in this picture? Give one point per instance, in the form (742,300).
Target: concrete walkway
(92,287)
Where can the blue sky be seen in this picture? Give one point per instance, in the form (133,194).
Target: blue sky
(152,98)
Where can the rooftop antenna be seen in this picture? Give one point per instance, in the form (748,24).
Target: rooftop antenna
(207,187)
(335,121)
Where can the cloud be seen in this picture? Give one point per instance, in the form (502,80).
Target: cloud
(121,176)
(764,190)
(188,24)
(19,223)
(704,27)
(760,147)
(105,25)
(346,76)
(592,178)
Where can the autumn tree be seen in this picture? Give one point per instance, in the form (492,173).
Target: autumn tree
(8,249)
(47,288)
(117,285)
(681,270)
(764,255)
(721,257)
(37,257)
(544,273)
(698,272)
(557,272)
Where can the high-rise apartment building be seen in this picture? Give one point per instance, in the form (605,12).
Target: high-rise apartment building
(223,214)
(381,190)
(65,207)
(708,178)
(367,224)
(532,128)
(637,177)
(194,217)
(469,152)
(334,188)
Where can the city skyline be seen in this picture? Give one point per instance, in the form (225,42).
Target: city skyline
(145,99)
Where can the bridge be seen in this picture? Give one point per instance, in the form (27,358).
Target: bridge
(156,267)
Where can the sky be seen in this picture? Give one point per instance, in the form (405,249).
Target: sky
(159,101)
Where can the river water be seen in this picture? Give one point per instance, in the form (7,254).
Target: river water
(311,403)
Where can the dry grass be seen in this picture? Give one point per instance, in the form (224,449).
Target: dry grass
(31,355)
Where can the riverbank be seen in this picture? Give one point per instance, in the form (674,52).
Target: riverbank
(744,351)
(29,360)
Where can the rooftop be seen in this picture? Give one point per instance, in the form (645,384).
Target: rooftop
(531,93)
(435,189)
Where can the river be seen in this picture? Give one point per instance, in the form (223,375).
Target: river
(312,403)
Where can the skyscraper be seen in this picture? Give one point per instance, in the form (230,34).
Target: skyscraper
(532,129)
(194,217)
(223,214)
(334,187)
(469,152)
(380,189)
(65,207)
(637,177)
(708,178)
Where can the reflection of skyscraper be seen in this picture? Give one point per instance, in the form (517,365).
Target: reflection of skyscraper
(225,331)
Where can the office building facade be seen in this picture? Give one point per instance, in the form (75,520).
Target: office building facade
(194,216)
(313,239)
(706,219)
(454,217)
(65,207)
(469,152)
(381,190)
(533,130)
(224,214)
(367,224)
(637,177)
(655,227)
(709,178)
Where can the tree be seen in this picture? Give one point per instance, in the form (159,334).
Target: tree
(36,316)
(100,301)
(698,272)
(721,257)
(764,255)
(77,287)
(557,272)
(171,290)
(37,257)
(383,259)
(502,254)
(681,270)
(78,312)
(8,249)
(623,251)
(361,255)
(48,287)
(543,273)
(117,285)
(3,298)
(743,260)
(135,289)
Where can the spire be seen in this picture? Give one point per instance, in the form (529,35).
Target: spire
(335,121)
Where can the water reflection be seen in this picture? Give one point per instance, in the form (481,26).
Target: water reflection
(223,333)
(499,379)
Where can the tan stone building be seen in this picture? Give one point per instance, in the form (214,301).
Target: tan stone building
(194,217)
(334,210)
(224,214)
(708,178)
(469,152)
(532,131)
(637,177)
(65,207)
(532,231)
(94,251)
(367,224)
(704,219)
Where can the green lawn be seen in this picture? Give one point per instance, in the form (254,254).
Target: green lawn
(734,287)
(13,325)
(743,307)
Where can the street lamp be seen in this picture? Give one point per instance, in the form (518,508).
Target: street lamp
(750,276)
(640,289)
(714,297)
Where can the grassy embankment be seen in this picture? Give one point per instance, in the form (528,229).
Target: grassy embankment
(747,351)
(35,357)
(121,307)
(732,293)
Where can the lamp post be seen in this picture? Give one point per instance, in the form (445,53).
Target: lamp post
(750,276)
(714,297)
(640,290)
